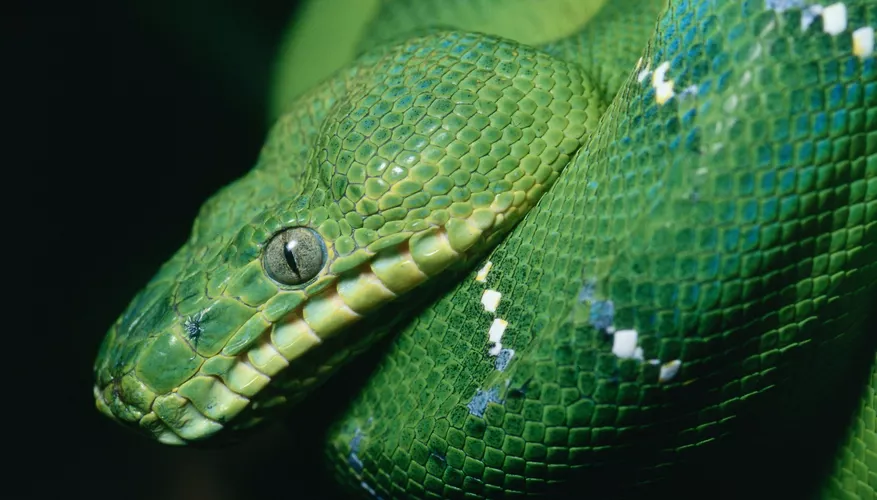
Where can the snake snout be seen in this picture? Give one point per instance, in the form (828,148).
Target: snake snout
(145,360)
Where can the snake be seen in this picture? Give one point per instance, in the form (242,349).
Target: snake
(547,247)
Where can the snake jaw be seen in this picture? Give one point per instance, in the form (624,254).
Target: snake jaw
(201,401)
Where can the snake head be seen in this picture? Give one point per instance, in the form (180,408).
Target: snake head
(416,160)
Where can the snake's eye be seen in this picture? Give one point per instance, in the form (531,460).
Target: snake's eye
(294,256)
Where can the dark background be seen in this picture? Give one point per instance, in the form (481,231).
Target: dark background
(127,116)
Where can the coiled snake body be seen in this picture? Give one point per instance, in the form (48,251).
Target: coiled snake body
(595,236)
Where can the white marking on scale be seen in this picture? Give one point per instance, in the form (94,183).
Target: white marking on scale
(494,335)
(641,77)
(490,300)
(481,277)
(863,41)
(834,19)
(624,343)
(669,370)
(660,73)
(663,87)
(497,328)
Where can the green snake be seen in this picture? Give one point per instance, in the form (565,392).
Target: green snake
(588,240)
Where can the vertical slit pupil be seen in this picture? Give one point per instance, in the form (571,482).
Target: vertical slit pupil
(289,255)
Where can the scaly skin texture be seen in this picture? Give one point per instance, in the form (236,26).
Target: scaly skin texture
(704,259)
(431,149)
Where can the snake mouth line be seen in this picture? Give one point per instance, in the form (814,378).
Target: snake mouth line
(352,297)
(224,385)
